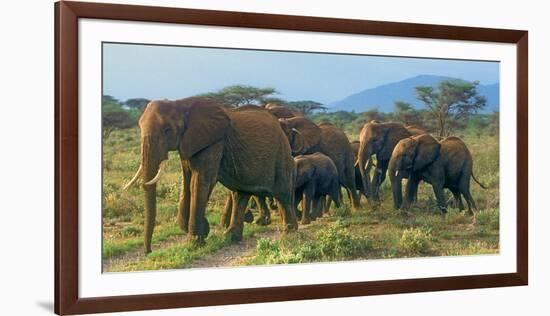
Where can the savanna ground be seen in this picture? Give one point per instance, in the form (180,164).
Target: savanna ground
(368,233)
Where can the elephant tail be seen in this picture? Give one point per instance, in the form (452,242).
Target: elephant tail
(477,181)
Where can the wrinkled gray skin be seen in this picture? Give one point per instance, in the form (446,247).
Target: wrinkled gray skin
(306,137)
(445,164)
(245,149)
(378,138)
(316,178)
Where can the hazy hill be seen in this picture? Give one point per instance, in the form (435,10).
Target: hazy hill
(385,95)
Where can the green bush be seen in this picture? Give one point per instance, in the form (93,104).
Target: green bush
(416,240)
(489,217)
(338,242)
(343,211)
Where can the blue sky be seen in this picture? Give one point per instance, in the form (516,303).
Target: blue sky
(156,72)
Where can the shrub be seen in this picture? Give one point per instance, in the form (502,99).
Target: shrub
(343,211)
(131,231)
(337,242)
(489,217)
(416,240)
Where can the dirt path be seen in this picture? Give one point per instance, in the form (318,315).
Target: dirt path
(137,254)
(231,255)
(234,254)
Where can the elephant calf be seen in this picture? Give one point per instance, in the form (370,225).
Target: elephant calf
(445,164)
(316,178)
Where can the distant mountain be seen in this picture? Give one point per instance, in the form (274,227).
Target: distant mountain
(383,97)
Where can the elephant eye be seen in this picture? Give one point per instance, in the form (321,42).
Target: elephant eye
(167,130)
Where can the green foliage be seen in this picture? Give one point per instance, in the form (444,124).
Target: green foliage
(307,107)
(114,116)
(343,211)
(451,103)
(338,242)
(406,114)
(416,240)
(238,95)
(138,104)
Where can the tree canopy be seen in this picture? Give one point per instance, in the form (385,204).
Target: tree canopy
(114,116)
(238,95)
(451,102)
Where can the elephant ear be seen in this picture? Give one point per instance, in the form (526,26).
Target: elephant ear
(204,125)
(426,152)
(310,131)
(298,143)
(386,140)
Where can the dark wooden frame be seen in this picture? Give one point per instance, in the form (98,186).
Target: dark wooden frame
(66,156)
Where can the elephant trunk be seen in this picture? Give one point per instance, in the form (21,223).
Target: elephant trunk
(395,178)
(364,156)
(150,170)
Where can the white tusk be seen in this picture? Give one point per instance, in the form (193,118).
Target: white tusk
(134,179)
(159,174)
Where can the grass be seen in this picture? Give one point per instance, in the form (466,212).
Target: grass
(364,234)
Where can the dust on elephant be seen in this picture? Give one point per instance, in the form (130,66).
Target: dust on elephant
(378,138)
(445,164)
(306,137)
(245,149)
(316,178)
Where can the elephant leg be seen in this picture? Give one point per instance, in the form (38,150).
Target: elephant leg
(185,197)
(326,202)
(307,198)
(457,199)
(472,208)
(287,211)
(235,230)
(379,177)
(226,215)
(440,196)
(297,201)
(265,214)
(204,173)
(410,191)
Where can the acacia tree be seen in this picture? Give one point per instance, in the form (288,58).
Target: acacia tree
(307,107)
(138,104)
(405,113)
(114,116)
(452,101)
(238,95)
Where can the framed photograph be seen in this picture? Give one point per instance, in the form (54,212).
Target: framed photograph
(211,157)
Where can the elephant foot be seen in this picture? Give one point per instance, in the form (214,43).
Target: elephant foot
(248,217)
(305,220)
(196,240)
(263,221)
(290,227)
(234,234)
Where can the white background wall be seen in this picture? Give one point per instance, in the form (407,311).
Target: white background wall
(26,142)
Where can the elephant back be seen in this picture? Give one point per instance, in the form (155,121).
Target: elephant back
(335,144)
(256,145)
(455,157)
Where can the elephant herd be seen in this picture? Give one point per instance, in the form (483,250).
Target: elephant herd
(273,152)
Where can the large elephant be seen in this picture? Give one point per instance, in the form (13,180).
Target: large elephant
(378,138)
(245,149)
(316,178)
(306,137)
(445,164)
